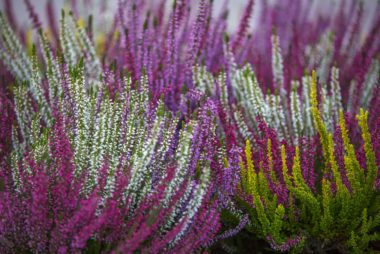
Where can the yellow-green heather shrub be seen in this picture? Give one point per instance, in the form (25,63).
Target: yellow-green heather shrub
(336,215)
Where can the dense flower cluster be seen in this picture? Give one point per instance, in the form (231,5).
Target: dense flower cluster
(166,132)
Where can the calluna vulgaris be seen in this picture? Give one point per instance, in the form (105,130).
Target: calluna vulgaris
(163,130)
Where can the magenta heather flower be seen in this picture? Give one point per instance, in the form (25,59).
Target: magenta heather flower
(243,27)
(45,202)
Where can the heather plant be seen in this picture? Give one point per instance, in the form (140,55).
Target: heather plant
(243,99)
(166,44)
(249,85)
(50,213)
(332,205)
(301,37)
(137,136)
(95,170)
(175,45)
(287,113)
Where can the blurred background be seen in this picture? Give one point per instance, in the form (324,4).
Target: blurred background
(104,10)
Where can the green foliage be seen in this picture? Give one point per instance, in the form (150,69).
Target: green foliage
(337,215)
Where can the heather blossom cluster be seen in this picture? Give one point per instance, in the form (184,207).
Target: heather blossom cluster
(165,131)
